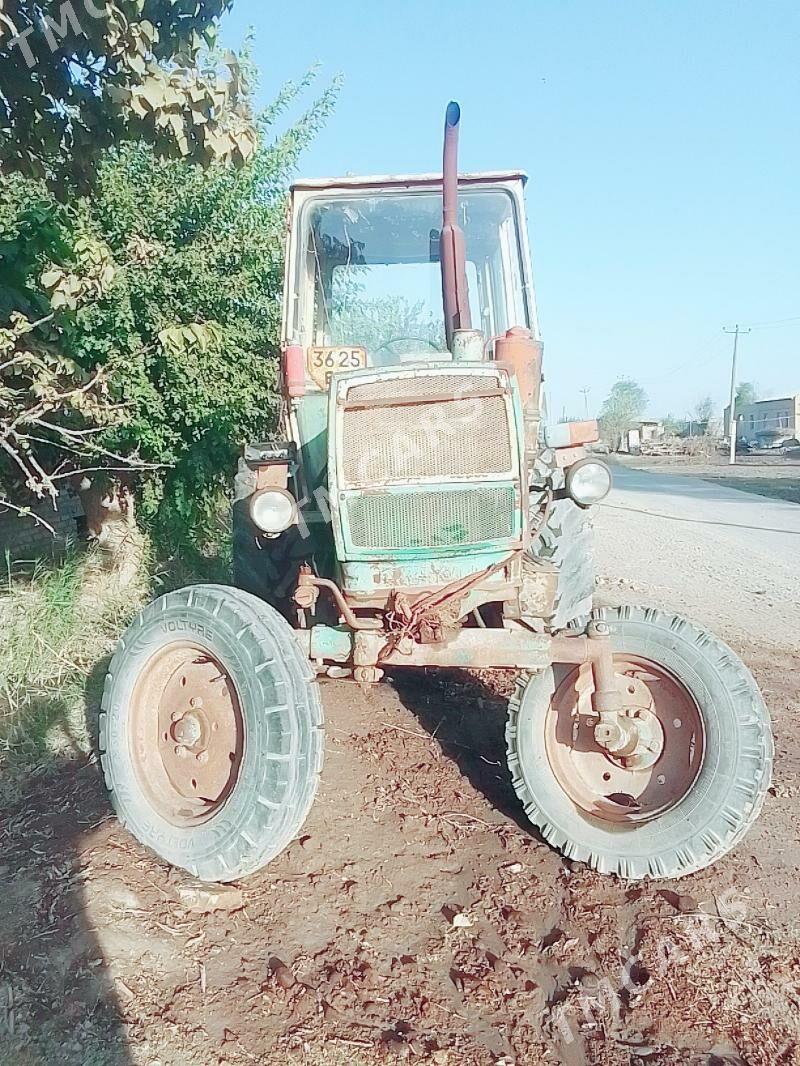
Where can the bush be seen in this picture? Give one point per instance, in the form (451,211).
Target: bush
(182,323)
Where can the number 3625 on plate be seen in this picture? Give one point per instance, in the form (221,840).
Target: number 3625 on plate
(322,362)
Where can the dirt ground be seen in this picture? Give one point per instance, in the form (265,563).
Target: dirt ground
(416,919)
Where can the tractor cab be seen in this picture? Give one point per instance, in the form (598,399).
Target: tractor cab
(364,275)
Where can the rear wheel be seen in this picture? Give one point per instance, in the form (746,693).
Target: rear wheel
(700,775)
(567,541)
(211,732)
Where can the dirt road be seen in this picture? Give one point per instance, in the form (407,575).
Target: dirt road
(417,918)
(725,557)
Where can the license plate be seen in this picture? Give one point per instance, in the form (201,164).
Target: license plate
(322,362)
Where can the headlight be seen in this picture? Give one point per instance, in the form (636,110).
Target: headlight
(588,482)
(273,510)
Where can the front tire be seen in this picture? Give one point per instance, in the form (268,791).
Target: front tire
(690,807)
(211,735)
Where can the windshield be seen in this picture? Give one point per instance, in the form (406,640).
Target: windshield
(370,276)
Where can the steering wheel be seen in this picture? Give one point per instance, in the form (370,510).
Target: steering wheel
(414,340)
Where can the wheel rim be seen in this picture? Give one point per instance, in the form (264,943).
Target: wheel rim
(600,783)
(187,733)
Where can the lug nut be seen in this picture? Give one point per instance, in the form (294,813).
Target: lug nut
(180,751)
(202,757)
(176,716)
(195,701)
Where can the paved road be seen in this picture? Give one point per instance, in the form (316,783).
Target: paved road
(730,559)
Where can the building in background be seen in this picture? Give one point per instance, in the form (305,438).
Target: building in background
(767,422)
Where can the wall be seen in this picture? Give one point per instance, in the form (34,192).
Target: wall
(767,415)
(23,538)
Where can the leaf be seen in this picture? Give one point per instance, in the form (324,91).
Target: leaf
(51,278)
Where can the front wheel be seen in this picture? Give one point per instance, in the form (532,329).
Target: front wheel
(211,731)
(705,769)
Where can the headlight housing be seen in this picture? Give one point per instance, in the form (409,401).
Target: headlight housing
(273,510)
(588,482)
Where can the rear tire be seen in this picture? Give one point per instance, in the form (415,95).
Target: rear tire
(279,713)
(567,541)
(719,805)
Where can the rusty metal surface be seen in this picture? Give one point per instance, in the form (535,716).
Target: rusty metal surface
(308,580)
(470,649)
(571,434)
(518,349)
(274,476)
(420,400)
(566,457)
(452,245)
(433,618)
(537,594)
(187,733)
(648,764)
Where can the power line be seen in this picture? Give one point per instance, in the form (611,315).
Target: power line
(692,361)
(775,322)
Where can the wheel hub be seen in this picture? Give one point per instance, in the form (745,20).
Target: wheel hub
(188,733)
(630,764)
(189,730)
(632,737)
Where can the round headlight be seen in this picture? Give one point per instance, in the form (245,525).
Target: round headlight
(588,482)
(273,510)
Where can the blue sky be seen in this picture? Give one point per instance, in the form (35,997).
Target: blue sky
(663,142)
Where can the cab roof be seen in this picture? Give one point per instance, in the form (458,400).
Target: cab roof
(400,181)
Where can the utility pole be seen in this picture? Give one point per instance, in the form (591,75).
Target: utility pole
(732,420)
(586,400)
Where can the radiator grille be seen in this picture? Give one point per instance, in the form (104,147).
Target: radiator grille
(465,437)
(431,519)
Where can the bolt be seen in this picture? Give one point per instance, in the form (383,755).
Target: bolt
(176,716)
(202,757)
(601,629)
(180,751)
(195,701)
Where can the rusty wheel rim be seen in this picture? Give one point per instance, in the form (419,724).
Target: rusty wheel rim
(187,734)
(603,785)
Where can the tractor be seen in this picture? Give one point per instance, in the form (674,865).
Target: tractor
(417,510)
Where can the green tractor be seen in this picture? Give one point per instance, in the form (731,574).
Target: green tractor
(417,511)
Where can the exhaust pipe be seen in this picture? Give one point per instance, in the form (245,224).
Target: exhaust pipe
(452,244)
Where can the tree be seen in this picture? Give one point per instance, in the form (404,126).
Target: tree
(704,412)
(624,405)
(672,425)
(79,76)
(50,407)
(746,393)
(183,331)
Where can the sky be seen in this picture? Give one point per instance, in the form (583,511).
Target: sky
(662,139)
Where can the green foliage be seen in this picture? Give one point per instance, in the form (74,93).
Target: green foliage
(77,77)
(390,324)
(50,406)
(624,405)
(168,279)
(56,625)
(746,393)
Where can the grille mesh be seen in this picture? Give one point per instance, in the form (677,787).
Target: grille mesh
(423,385)
(467,437)
(431,519)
